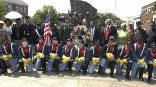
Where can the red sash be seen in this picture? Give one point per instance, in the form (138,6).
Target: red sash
(40,46)
(139,46)
(54,47)
(153,53)
(127,50)
(25,49)
(68,49)
(106,33)
(6,47)
(98,49)
(111,48)
(82,50)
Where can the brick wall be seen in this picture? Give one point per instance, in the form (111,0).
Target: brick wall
(147,15)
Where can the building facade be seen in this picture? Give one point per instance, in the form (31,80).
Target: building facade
(147,15)
(18,6)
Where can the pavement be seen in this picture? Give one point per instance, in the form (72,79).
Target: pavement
(37,79)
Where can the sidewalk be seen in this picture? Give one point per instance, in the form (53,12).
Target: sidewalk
(36,79)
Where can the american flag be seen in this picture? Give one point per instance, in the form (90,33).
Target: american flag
(47,31)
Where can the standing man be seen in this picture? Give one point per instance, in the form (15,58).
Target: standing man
(140,31)
(152,34)
(38,32)
(8,28)
(2,32)
(65,31)
(17,32)
(55,31)
(28,28)
(131,33)
(109,30)
(95,33)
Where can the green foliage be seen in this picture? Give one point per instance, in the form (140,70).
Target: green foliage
(3,9)
(154,6)
(41,14)
(114,18)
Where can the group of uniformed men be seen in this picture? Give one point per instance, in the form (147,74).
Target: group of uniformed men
(102,51)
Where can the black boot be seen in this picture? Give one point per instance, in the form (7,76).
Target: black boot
(84,68)
(3,66)
(112,63)
(4,70)
(129,65)
(56,66)
(69,66)
(141,71)
(100,70)
(43,64)
(150,70)
(21,67)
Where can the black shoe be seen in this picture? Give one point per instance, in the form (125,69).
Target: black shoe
(112,76)
(84,73)
(141,79)
(22,71)
(3,71)
(70,70)
(102,74)
(38,69)
(127,77)
(56,71)
(149,80)
(99,73)
(44,72)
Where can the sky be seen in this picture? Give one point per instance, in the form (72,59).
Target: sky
(124,8)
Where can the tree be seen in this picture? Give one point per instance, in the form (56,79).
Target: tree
(114,18)
(3,9)
(41,14)
(154,6)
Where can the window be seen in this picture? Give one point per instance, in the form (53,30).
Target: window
(149,10)
(144,21)
(21,9)
(9,7)
(143,12)
(146,11)
(154,20)
(152,9)
(151,19)
(25,10)
(17,8)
